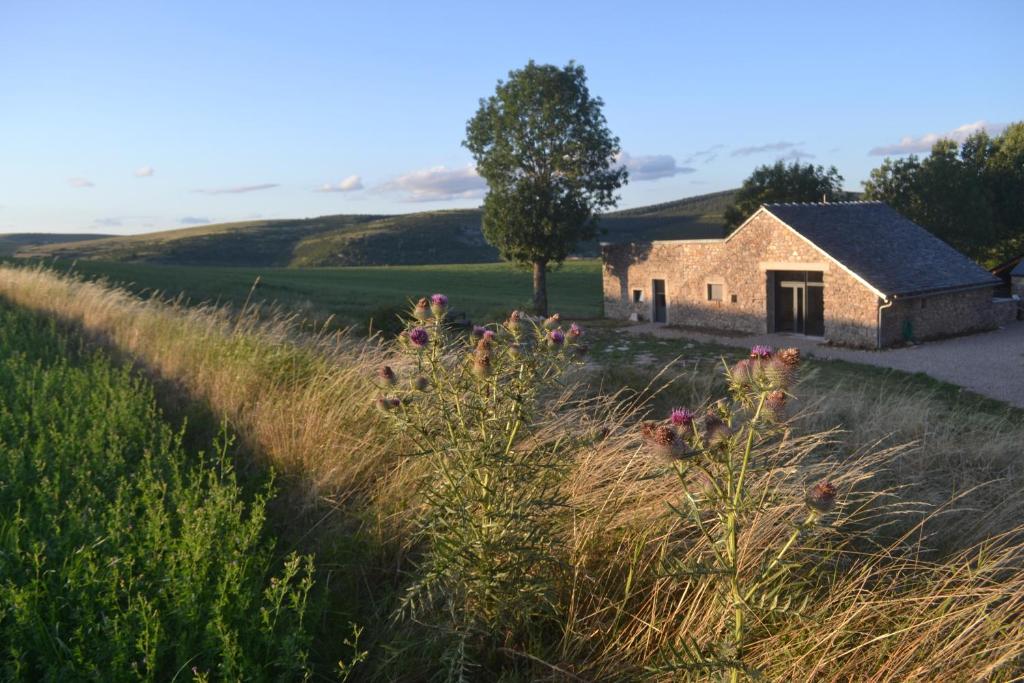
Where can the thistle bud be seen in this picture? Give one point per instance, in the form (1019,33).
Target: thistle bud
(775,404)
(790,357)
(438,305)
(421,311)
(552,322)
(574,333)
(716,431)
(386,404)
(387,376)
(663,441)
(421,383)
(482,366)
(514,323)
(821,497)
(741,373)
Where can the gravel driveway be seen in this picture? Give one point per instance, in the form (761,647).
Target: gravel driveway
(990,363)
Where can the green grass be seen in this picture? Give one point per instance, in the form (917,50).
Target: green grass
(123,555)
(353,295)
(427,237)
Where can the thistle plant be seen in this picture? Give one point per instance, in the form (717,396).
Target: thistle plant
(716,456)
(472,404)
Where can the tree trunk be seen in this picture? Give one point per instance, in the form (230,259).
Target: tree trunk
(540,288)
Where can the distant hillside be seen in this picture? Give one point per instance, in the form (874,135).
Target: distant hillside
(9,244)
(359,240)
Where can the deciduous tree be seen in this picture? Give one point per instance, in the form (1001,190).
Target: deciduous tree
(779,182)
(543,145)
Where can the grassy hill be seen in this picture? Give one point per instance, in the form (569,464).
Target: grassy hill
(351,240)
(14,242)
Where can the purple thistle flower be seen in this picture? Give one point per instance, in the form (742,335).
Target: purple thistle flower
(681,417)
(438,305)
(761,351)
(478,331)
(488,334)
(821,497)
(556,337)
(575,332)
(419,337)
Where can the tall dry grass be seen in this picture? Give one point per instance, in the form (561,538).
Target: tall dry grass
(926,584)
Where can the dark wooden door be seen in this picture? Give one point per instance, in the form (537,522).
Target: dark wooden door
(660,304)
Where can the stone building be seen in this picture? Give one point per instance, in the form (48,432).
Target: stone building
(852,273)
(1017,279)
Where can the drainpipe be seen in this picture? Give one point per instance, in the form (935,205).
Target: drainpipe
(881,308)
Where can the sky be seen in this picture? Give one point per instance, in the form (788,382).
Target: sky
(130,117)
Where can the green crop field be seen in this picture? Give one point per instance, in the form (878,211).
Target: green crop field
(125,555)
(354,295)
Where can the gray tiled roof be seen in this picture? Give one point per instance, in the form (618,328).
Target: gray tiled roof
(893,254)
(1019,270)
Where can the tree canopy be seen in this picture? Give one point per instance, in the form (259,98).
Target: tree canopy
(780,182)
(542,144)
(971,195)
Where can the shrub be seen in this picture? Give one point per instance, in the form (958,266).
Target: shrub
(470,404)
(122,556)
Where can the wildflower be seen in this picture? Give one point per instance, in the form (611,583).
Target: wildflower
(481,366)
(556,337)
(438,305)
(821,497)
(552,322)
(776,404)
(421,311)
(741,372)
(775,373)
(386,375)
(716,431)
(514,324)
(574,333)
(790,357)
(418,337)
(386,404)
(421,383)
(761,352)
(681,417)
(478,332)
(662,440)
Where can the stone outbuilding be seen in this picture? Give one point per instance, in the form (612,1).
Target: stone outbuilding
(852,273)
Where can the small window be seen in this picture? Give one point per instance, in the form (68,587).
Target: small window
(733,298)
(638,296)
(715,292)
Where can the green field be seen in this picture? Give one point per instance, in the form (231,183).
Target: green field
(125,555)
(354,295)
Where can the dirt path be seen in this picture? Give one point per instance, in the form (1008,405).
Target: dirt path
(991,363)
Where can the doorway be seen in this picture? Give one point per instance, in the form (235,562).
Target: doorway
(660,303)
(800,302)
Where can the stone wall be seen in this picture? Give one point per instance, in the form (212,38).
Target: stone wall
(743,264)
(939,315)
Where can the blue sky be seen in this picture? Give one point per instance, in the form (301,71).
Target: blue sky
(129,117)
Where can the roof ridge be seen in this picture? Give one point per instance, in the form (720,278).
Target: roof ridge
(842,203)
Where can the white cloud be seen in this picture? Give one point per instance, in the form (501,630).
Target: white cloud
(80,182)
(652,166)
(923,144)
(438,184)
(795,155)
(770,147)
(708,154)
(144,172)
(349,184)
(193,220)
(238,189)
